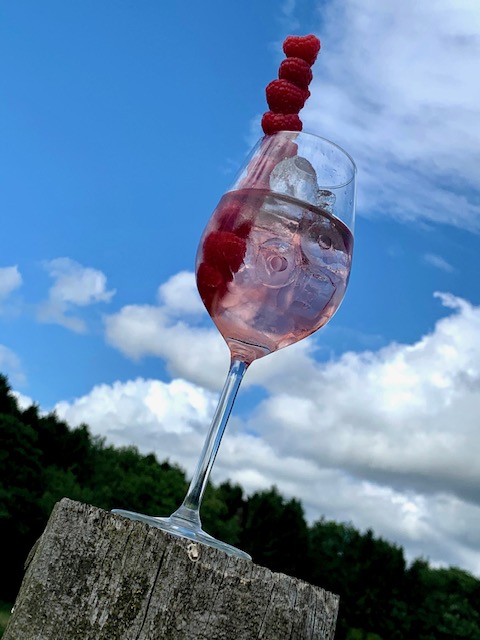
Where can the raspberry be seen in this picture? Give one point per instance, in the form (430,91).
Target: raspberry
(243,230)
(208,276)
(209,283)
(285,97)
(304,47)
(273,122)
(224,251)
(296,71)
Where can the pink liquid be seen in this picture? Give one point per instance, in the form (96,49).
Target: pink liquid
(271,270)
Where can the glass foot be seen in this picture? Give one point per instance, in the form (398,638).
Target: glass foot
(183,528)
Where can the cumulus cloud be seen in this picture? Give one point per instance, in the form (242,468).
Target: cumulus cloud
(74,286)
(383,438)
(394,86)
(10,279)
(195,352)
(169,418)
(396,430)
(179,294)
(23,401)
(393,413)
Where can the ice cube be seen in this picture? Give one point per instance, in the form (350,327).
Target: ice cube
(297,178)
(326,200)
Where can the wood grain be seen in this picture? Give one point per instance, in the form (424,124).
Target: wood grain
(98,576)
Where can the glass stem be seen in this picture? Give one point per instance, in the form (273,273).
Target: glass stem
(190,508)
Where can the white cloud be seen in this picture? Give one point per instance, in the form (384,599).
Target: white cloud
(385,439)
(77,284)
(394,84)
(193,352)
(392,412)
(10,279)
(179,294)
(168,418)
(23,401)
(438,262)
(394,435)
(74,286)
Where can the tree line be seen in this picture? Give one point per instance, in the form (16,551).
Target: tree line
(42,460)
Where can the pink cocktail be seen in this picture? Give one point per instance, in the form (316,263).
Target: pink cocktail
(271,270)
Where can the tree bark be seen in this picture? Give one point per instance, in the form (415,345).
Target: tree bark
(98,576)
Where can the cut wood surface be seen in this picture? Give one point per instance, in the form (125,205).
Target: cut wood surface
(95,575)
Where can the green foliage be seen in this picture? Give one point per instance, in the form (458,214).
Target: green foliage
(42,460)
(223,512)
(21,487)
(4,616)
(359,634)
(275,532)
(448,603)
(8,403)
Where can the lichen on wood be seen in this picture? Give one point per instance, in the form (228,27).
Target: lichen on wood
(97,576)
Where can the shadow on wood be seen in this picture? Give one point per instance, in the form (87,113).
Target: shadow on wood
(97,576)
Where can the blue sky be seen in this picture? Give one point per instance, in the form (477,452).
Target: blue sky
(121,125)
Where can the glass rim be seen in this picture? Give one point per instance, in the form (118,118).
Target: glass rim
(310,134)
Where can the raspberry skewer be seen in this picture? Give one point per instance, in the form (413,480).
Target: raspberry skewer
(287,95)
(224,247)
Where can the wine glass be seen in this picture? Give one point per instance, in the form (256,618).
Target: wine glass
(272,267)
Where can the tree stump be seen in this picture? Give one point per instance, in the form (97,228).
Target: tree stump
(98,576)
